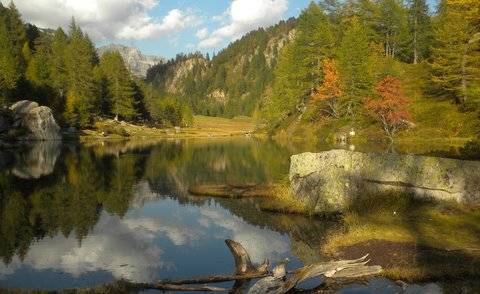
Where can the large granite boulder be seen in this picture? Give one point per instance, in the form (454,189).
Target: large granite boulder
(332,180)
(33,122)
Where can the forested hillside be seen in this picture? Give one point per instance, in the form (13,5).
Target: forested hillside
(383,65)
(361,56)
(233,81)
(63,71)
(344,63)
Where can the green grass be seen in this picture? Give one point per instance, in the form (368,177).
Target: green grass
(439,240)
(439,123)
(204,126)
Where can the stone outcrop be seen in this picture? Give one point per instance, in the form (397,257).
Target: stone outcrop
(27,121)
(332,180)
(137,62)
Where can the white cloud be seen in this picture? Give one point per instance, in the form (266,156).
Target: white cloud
(246,15)
(125,248)
(106,19)
(202,34)
(260,243)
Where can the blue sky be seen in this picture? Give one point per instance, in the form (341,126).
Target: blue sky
(186,41)
(162,27)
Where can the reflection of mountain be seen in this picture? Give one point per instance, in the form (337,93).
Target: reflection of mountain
(39,160)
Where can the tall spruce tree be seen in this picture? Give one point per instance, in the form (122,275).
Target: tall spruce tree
(9,68)
(393,27)
(58,76)
(354,64)
(299,66)
(119,85)
(17,33)
(456,56)
(420,30)
(38,69)
(80,57)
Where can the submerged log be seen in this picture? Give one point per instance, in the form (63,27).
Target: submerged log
(232,190)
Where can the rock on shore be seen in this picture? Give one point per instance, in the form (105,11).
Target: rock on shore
(332,180)
(28,121)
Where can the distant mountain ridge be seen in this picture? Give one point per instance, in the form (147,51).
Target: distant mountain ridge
(231,83)
(137,62)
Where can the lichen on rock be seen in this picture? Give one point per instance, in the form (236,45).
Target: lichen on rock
(333,180)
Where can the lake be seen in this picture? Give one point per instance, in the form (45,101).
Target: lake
(79,216)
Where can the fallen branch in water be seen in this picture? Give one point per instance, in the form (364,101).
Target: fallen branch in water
(278,281)
(170,287)
(232,190)
(212,279)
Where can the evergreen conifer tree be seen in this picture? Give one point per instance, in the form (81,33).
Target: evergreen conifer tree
(9,69)
(456,56)
(354,65)
(80,57)
(299,66)
(420,30)
(119,85)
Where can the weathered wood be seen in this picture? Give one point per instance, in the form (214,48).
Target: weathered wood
(337,269)
(243,264)
(170,287)
(232,190)
(213,279)
(276,282)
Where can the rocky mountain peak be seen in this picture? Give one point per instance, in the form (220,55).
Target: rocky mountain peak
(137,62)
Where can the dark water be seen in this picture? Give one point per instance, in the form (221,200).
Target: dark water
(77,216)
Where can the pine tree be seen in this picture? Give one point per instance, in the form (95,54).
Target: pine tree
(420,30)
(38,69)
(119,85)
(456,56)
(80,57)
(393,27)
(58,77)
(354,65)
(299,66)
(9,69)
(17,33)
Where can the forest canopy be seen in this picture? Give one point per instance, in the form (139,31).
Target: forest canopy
(63,71)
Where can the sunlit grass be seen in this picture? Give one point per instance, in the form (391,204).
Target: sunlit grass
(203,126)
(446,236)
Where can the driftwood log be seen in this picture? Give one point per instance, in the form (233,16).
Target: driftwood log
(277,281)
(232,190)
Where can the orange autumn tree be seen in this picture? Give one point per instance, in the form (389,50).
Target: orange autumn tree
(329,91)
(390,107)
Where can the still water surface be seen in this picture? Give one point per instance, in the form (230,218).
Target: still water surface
(76,216)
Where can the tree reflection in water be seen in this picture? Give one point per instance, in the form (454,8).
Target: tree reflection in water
(124,208)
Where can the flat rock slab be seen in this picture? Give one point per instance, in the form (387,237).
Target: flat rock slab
(331,180)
